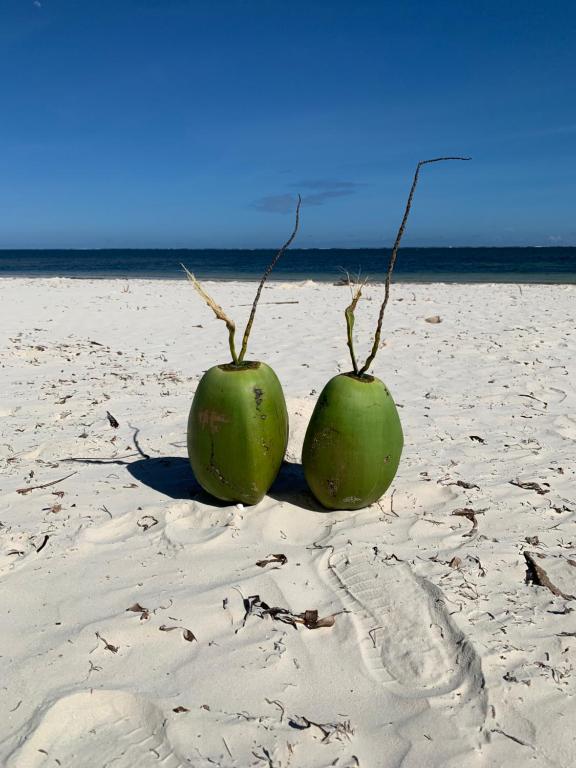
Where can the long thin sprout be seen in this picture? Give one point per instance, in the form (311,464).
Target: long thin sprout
(269,269)
(392,262)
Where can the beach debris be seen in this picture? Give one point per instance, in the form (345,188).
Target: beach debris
(281,559)
(456,562)
(187,634)
(111,420)
(338,730)
(434,320)
(44,542)
(538,575)
(559,509)
(469,514)
(24,491)
(481,569)
(530,486)
(253,606)
(477,439)
(372,634)
(92,668)
(464,484)
(267,758)
(180,709)
(512,738)
(137,608)
(147,522)
(108,646)
(544,403)
(278,704)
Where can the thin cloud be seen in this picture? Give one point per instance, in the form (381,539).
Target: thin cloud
(322,190)
(276,203)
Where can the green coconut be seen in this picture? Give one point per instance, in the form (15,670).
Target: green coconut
(238,431)
(238,421)
(353,443)
(354,440)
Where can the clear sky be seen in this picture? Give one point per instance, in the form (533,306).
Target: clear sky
(193,123)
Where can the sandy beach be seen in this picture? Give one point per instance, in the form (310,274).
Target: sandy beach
(123,587)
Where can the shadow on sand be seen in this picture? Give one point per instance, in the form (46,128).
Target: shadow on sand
(291,486)
(173,477)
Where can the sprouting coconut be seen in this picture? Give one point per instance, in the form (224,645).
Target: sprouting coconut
(238,423)
(354,439)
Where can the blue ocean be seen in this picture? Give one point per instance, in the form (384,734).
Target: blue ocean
(454,265)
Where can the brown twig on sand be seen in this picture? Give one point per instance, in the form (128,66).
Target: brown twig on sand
(43,544)
(108,646)
(394,254)
(23,491)
(278,704)
(469,514)
(279,558)
(328,730)
(372,635)
(529,486)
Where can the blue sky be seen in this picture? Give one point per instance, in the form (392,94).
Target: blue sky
(193,123)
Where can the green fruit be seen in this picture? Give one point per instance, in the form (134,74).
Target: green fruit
(238,431)
(353,442)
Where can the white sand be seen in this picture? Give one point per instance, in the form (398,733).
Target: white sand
(434,664)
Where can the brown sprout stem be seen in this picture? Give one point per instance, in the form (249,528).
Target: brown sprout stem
(269,269)
(219,312)
(392,261)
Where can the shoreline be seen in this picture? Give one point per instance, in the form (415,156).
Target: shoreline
(297,279)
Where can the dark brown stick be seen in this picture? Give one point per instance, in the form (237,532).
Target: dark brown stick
(263,280)
(393,255)
(45,485)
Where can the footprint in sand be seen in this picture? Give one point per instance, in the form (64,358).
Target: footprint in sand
(104,728)
(111,531)
(179,523)
(190,522)
(407,637)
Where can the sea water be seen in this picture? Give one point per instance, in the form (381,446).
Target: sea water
(460,265)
